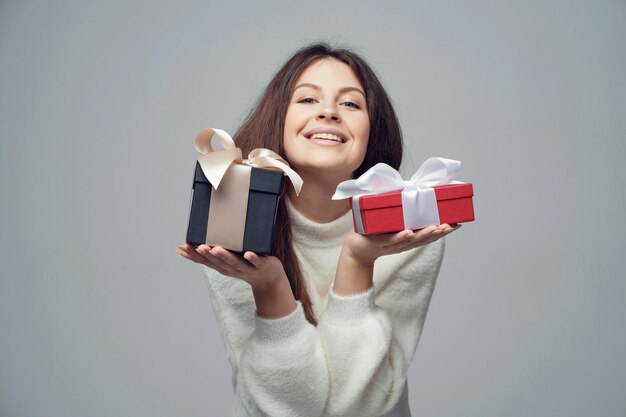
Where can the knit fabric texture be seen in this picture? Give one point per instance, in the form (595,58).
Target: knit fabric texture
(354,363)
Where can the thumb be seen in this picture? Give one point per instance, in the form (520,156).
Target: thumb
(256,260)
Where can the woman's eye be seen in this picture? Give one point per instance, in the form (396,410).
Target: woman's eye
(351,104)
(307,100)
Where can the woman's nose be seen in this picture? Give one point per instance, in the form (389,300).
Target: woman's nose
(328,113)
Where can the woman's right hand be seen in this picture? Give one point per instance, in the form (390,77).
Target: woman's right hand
(265,274)
(258,271)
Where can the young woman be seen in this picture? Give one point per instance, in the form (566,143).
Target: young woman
(327,326)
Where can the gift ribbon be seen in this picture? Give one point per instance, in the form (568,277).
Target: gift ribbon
(226,167)
(419,203)
(215,163)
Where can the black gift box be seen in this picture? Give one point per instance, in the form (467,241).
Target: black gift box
(265,187)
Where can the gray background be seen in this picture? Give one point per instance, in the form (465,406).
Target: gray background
(99,106)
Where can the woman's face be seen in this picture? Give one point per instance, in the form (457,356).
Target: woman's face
(327,125)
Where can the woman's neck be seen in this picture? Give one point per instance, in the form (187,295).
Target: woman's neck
(314,201)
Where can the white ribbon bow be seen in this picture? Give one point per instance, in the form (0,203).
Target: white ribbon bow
(419,203)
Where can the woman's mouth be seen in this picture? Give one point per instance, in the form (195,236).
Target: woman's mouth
(326,136)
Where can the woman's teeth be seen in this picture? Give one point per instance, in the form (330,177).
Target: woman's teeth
(327,136)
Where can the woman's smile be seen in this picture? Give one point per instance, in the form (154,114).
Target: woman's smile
(325,136)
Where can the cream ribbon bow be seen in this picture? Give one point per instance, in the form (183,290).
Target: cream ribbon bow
(215,163)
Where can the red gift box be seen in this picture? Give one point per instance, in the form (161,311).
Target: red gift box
(382,213)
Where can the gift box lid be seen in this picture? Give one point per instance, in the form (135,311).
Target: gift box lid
(452,191)
(442,192)
(266,180)
(263,180)
(198,175)
(376,201)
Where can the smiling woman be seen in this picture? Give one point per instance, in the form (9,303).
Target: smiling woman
(314,330)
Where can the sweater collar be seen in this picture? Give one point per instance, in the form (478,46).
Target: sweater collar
(309,233)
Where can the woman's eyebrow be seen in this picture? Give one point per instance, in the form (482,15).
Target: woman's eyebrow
(341,90)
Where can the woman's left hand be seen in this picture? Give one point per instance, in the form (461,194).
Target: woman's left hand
(365,249)
(356,263)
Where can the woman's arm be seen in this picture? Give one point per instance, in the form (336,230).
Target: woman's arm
(276,354)
(282,359)
(370,334)
(266,276)
(356,263)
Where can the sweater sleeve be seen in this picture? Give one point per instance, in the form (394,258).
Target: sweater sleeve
(278,364)
(283,368)
(355,361)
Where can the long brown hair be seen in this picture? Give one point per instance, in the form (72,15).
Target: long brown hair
(264,128)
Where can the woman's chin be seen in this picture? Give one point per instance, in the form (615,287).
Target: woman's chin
(324,169)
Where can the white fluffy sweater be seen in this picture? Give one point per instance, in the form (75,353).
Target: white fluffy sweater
(354,362)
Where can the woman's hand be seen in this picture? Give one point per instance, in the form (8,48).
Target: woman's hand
(356,262)
(258,271)
(265,274)
(365,249)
